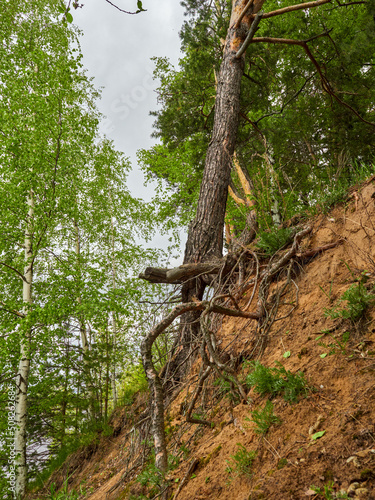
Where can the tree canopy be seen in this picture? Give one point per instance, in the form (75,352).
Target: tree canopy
(306,102)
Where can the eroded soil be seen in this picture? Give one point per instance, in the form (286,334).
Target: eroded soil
(340,402)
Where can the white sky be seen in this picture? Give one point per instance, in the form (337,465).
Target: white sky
(117,49)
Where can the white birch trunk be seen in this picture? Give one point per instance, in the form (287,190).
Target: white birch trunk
(24,364)
(114,326)
(82,331)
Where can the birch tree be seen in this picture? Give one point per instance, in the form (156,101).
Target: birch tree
(47,127)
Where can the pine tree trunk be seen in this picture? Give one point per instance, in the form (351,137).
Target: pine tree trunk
(24,364)
(205,236)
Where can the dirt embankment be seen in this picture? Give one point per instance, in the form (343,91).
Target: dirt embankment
(339,368)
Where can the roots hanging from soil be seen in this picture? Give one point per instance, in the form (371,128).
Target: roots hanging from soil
(245,268)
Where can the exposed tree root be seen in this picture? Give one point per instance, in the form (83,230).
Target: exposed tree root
(265,314)
(191,469)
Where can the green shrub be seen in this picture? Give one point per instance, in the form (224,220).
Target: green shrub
(264,418)
(357,298)
(276,380)
(152,477)
(270,242)
(63,494)
(134,380)
(242,461)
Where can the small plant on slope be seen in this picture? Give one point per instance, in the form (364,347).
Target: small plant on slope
(357,298)
(264,418)
(243,461)
(63,494)
(328,493)
(152,477)
(270,243)
(335,345)
(277,380)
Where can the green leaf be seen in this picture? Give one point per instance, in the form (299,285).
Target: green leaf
(69,17)
(324,355)
(317,435)
(286,354)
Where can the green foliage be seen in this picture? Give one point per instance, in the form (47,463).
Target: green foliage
(306,148)
(270,242)
(333,187)
(64,494)
(85,233)
(336,344)
(357,299)
(264,418)
(152,478)
(276,380)
(133,381)
(242,461)
(328,493)
(185,451)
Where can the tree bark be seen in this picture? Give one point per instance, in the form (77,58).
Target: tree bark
(205,236)
(24,364)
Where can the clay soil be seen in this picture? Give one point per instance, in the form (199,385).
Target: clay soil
(339,368)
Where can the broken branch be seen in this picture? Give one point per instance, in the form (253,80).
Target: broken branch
(180,274)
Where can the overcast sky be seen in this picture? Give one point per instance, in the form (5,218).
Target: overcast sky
(117,49)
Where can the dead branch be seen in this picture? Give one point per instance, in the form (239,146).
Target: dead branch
(243,13)
(268,273)
(255,280)
(180,274)
(186,478)
(154,382)
(250,35)
(291,8)
(210,341)
(202,377)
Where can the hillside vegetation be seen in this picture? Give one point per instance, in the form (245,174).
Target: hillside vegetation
(306,428)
